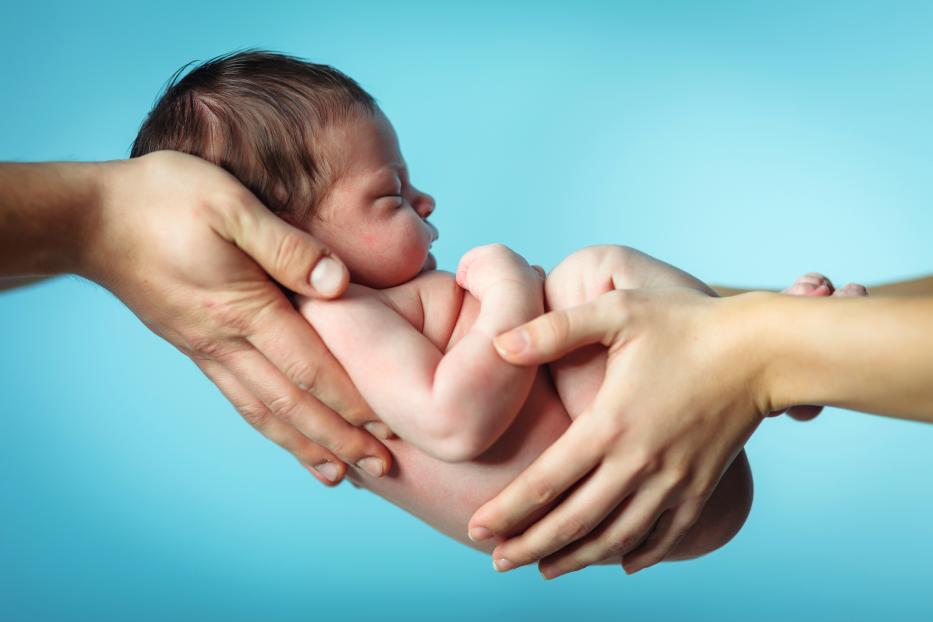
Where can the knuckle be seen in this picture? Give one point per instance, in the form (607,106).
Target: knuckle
(304,374)
(645,462)
(677,476)
(285,407)
(310,453)
(345,444)
(292,249)
(570,529)
(557,326)
(541,493)
(621,545)
(255,415)
(208,348)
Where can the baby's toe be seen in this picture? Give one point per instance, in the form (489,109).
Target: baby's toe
(811,284)
(852,289)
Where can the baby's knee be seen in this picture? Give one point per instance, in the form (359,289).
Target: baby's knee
(588,273)
(724,514)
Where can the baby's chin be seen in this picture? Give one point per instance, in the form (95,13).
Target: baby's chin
(429,263)
(384,275)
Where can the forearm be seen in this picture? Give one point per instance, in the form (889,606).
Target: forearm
(922,286)
(873,355)
(476,392)
(46,213)
(914,287)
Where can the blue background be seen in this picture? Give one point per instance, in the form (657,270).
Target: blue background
(745,141)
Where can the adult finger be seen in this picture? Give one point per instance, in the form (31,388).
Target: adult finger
(576,516)
(291,256)
(293,346)
(669,531)
(554,334)
(302,411)
(626,531)
(323,464)
(565,462)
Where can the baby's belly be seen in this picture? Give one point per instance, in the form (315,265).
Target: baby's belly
(445,495)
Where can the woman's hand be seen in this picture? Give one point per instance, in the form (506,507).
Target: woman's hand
(677,404)
(191,252)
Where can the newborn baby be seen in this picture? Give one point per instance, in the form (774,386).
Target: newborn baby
(418,343)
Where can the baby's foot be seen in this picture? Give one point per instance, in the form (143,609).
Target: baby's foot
(851,290)
(811,284)
(816,284)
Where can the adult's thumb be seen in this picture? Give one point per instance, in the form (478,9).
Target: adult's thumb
(553,335)
(291,256)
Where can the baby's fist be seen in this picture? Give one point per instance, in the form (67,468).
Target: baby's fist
(484,266)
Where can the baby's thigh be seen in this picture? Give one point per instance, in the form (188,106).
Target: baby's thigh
(581,277)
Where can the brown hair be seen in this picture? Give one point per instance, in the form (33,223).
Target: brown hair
(256,114)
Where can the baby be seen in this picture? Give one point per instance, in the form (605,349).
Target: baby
(317,150)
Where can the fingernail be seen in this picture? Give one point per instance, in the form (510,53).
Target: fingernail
(502,565)
(377,428)
(373,466)
(329,470)
(478,534)
(548,574)
(327,276)
(512,342)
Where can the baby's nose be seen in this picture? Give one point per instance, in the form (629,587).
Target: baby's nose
(424,204)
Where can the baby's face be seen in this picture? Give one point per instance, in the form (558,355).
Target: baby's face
(372,216)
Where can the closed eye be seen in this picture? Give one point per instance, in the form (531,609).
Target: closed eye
(392,200)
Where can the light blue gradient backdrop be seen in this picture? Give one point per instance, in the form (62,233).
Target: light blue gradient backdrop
(747,142)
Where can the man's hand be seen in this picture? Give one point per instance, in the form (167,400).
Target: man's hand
(191,252)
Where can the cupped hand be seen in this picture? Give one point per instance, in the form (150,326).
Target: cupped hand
(633,472)
(191,252)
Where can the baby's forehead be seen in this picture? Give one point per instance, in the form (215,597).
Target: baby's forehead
(364,149)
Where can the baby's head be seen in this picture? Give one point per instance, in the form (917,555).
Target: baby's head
(313,146)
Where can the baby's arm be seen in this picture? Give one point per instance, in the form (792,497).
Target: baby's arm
(451,405)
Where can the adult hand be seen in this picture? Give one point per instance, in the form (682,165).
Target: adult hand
(677,404)
(191,252)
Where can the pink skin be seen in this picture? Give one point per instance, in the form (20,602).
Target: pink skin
(816,284)
(372,216)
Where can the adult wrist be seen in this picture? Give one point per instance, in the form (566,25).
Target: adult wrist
(92,256)
(755,323)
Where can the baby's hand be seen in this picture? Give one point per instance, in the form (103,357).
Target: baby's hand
(485,266)
(816,284)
